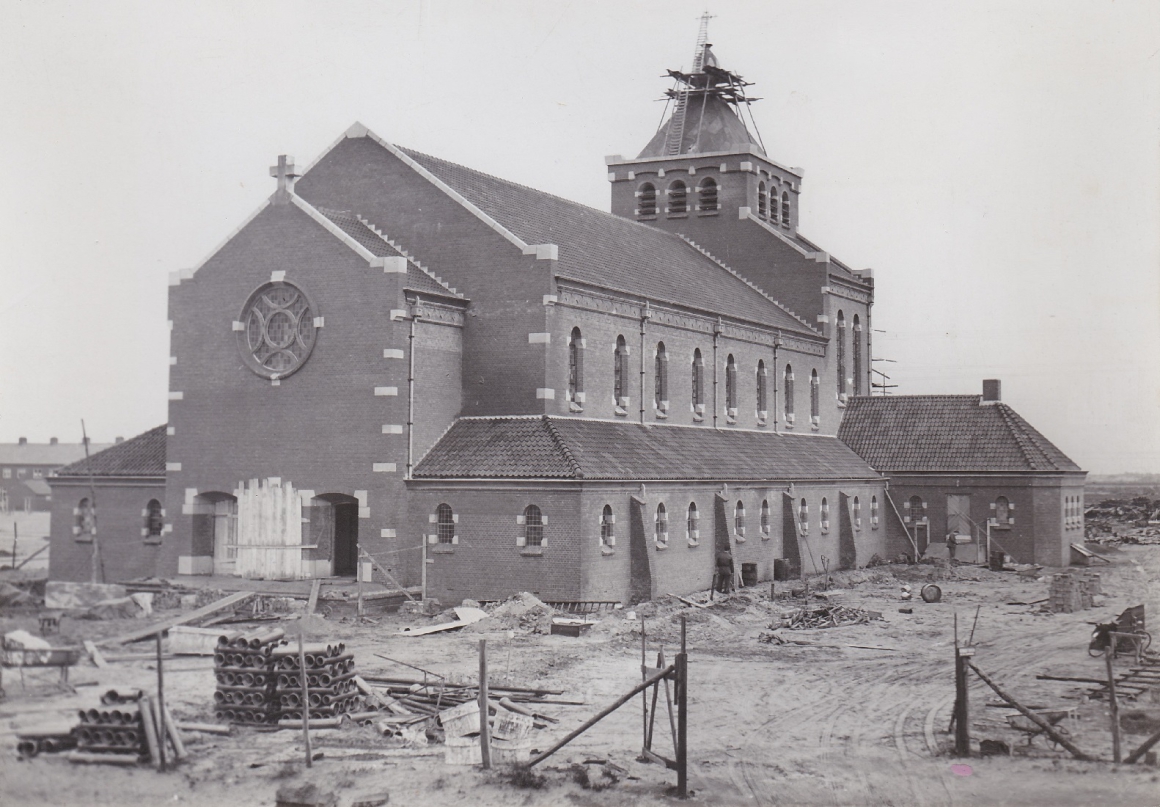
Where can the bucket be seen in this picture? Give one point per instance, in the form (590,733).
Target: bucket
(748,574)
(510,752)
(511,726)
(463,751)
(460,720)
(931,593)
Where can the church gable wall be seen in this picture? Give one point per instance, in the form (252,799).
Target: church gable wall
(320,428)
(506,288)
(126,553)
(438,382)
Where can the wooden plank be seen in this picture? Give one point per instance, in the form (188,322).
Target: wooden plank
(193,616)
(312,603)
(95,654)
(385,573)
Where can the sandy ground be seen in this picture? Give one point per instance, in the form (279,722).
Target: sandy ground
(768,724)
(29,533)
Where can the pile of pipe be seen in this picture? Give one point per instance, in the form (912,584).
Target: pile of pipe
(330,686)
(116,728)
(244,669)
(30,742)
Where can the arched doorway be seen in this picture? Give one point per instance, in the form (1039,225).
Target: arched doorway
(219,514)
(334,530)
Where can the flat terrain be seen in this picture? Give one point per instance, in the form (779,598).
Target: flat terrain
(822,722)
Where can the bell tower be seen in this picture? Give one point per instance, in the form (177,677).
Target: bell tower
(705,161)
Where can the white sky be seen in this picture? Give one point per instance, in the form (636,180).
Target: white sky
(996,163)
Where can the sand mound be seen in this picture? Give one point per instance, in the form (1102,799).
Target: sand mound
(523,612)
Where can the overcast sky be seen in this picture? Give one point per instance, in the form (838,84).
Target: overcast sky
(995,163)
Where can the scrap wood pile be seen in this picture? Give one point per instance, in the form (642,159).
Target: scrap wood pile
(825,616)
(430,697)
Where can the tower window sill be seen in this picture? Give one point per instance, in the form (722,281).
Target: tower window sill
(708,212)
(646,216)
(677,215)
(152,542)
(442,549)
(532,551)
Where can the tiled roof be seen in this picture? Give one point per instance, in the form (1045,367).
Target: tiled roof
(50,454)
(611,252)
(946,433)
(417,279)
(576,448)
(143,455)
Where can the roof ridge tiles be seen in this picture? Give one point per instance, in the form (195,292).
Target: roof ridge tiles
(743,279)
(563,447)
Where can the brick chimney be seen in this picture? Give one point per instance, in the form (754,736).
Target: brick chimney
(23,441)
(119,440)
(992,390)
(52,441)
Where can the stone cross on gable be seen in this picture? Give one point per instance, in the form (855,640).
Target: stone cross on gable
(285,173)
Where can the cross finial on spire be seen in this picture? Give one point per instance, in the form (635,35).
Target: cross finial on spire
(285,173)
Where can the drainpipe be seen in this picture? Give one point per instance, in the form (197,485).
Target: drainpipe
(411,388)
(773,374)
(645,316)
(716,339)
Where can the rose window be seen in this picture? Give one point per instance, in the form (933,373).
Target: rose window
(277,331)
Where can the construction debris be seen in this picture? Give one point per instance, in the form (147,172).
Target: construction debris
(825,616)
(1072,591)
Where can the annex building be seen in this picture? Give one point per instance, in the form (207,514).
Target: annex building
(491,389)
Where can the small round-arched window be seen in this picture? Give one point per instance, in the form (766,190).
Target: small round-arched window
(277,332)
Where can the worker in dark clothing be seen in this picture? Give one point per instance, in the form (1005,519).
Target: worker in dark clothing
(724,571)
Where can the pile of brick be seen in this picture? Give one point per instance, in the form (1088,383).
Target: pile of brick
(1072,591)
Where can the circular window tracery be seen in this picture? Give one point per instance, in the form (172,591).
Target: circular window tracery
(278,330)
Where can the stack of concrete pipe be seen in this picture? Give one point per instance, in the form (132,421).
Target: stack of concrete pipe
(30,742)
(243,667)
(330,684)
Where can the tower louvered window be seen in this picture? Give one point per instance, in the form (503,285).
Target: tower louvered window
(707,195)
(785,209)
(646,196)
(762,201)
(678,197)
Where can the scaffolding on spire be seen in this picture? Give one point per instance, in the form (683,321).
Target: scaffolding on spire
(681,91)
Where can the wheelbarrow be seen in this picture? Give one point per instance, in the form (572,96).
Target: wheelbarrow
(60,657)
(1052,717)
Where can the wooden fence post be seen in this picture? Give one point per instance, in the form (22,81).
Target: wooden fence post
(1113,704)
(962,706)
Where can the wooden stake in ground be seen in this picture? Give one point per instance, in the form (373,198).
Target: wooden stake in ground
(305,698)
(1113,704)
(484,729)
(962,709)
(682,670)
(160,714)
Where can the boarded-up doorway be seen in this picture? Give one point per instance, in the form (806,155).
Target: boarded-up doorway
(220,510)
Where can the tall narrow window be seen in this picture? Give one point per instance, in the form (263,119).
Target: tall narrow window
(86,519)
(678,198)
(789,394)
(707,195)
(773,203)
(762,201)
(915,513)
(785,209)
(815,400)
(620,373)
(698,382)
(762,392)
(533,526)
(739,519)
(576,367)
(841,346)
(804,516)
(765,522)
(1002,510)
(607,527)
(646,200)
(731,386)
(874,512)
(445,524)
(824,516)
(857,513)
(661,379)
(154,519)
(693,524)
(857,355)
(662,524)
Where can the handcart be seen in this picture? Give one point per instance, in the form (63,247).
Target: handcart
(59,657)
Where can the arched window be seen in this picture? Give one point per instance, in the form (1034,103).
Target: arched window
(445,523)
(789,394)
(739,519)
(857,355)
(804,516)
(914,512)
(773,214)
(576,367)
(662,524)
(533,526)
(693,524)
(678,198)
(661,379)
(841,350)
(620,373)
(1002,510)
(698,382)
(86,519)
(857,513)
(873,512)
(607,527)
(707,194)
(762,392)
(731,385)
(785,209)
(762,201)
(815,399)
(765,523)
(154,519)
(646,196)
(825,515)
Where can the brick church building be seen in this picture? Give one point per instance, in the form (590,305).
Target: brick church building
(491,389)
